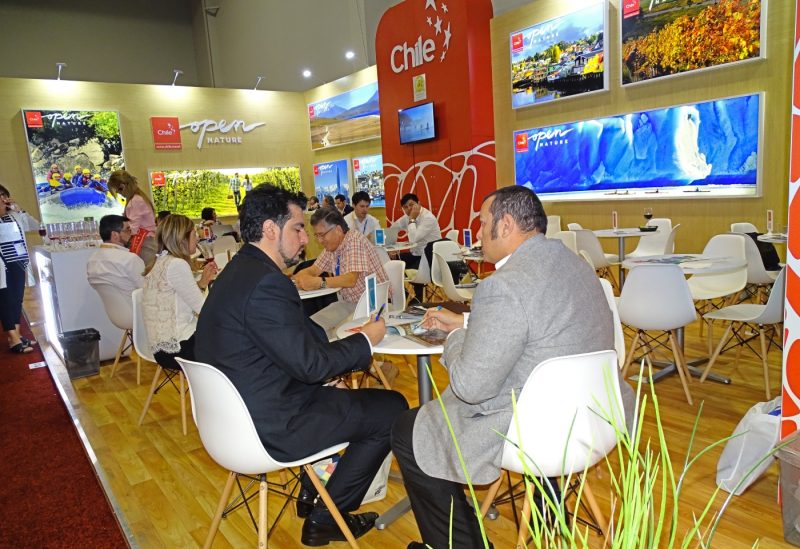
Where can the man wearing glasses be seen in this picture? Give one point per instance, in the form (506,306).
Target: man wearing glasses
(113,263)
(347,259)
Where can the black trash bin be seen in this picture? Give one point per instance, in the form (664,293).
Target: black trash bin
(81,352)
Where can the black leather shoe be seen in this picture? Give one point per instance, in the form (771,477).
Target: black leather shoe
(305,502)
(316,534)
(416,545)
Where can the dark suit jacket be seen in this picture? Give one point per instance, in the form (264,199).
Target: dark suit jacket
(254,330)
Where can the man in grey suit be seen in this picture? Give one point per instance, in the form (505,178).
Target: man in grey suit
(542,302)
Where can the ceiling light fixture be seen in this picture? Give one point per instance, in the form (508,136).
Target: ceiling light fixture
(59,67)
(306,73)
(175,74)
(349,54)
(260,78)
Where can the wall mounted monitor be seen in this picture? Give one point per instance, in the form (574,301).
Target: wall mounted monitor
(698,150)
(562,57)
(417,123)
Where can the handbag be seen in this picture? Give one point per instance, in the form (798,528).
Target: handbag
(137,240)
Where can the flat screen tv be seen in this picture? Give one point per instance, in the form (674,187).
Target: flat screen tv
(416,124)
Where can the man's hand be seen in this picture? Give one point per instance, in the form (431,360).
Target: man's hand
(305,282)
(416,209)
(374,330)
(442,319)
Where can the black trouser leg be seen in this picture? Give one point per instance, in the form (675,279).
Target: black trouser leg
(12,295)
(431,498)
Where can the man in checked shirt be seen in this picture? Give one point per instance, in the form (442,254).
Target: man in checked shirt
(347,259)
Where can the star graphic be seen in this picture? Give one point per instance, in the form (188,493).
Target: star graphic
(430,4)
(447,35)
(430,23)
(444,7)
(438,25)
(444,53)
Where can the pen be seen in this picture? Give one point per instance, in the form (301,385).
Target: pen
(378,316)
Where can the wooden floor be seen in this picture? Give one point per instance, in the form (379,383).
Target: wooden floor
(166,487)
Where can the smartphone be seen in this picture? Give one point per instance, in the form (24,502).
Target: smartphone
(468,238)
(371,283)
(380,237)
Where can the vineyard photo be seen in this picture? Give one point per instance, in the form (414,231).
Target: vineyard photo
(677,36)
(187,192)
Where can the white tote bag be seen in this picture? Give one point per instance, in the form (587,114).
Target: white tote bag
(759,432)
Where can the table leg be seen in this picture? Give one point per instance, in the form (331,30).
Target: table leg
(668,368)
(425,395)
(621,256)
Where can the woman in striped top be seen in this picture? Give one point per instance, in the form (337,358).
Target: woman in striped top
(14,261)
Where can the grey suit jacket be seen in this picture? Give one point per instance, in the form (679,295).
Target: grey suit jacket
(544,302)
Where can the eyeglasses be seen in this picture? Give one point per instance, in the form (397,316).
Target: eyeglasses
(321,236)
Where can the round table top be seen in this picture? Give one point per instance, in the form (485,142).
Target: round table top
(690,263)
(391,344)
(623,233)
(309,294)
(398,247)
(773,238)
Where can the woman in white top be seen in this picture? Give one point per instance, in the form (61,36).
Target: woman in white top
(171,299)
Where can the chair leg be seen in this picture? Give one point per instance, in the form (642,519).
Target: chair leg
(522,535)
(150,396)
(119,352)
(381,376)
(763,339)
(183,401)
(491,494)
(223,502)
(722,342)
(629,359)
(326,498)
(680,365)
(595,508)
(710,336)
(262,513)
(138,370)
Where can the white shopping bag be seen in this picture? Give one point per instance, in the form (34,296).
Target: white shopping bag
(759,432)
(380,484)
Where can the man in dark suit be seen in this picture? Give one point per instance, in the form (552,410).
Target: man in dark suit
(253,329)
(342,205)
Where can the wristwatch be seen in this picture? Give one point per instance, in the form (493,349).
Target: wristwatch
(324,277)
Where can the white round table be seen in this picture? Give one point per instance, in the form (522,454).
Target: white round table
(621,235)
(773,238)
(310,294)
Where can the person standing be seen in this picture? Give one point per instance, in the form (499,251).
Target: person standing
(247,185)
(360,219)
(139,210)
(114,263)
(235,186)
(14,266)
(253,329)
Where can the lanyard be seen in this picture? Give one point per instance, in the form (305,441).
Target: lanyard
(336,272)
(364,226)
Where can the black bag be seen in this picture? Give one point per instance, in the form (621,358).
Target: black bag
(769,255)
(459,269)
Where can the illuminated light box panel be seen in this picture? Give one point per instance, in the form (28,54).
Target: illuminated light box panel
(368,176)
(698,150)
(345,118)
(332,178)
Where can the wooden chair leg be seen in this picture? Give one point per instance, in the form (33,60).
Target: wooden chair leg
(223,502)
(764,363)
(262,513)
(722,342)
(491,494)
(381,376)
(680,365)
(522,535)
(138,370)
(119,352)
(150,396)
(710,336)
(183,401)
(629,359)
(332,509)
(595,508)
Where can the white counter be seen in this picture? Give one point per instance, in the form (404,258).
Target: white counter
(68,300)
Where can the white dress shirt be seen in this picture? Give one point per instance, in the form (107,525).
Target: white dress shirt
(117,266)
(425,229)
(366,227)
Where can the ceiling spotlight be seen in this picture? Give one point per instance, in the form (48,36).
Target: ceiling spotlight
(260,78)
(349,54)
(59,67)
(306,73)
(175,74)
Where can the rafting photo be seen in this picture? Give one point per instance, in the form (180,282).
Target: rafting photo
(72,155)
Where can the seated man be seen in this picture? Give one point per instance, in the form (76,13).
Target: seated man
(113,263)
(422,228)
(542,302)
(349,257)
(253,329)
(359,219)
(341,204)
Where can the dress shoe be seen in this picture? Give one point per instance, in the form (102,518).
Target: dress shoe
(420,545)
(317,533)
(305,501)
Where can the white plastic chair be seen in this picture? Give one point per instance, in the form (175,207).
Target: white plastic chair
(120,312)
(450,252)
(751,317)
(569,240)
(587,241)
(452,234)
(758,277)
(565,422)
(657,298)
(619,334)
(394,270)
(230,438)
(669,247)
(654,244)
(574,226)
(142,345)
(743,227)
(553,225)
(446,281)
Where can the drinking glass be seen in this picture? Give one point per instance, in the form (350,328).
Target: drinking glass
(648,215)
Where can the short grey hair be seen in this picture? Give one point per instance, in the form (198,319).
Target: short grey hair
(522,205)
